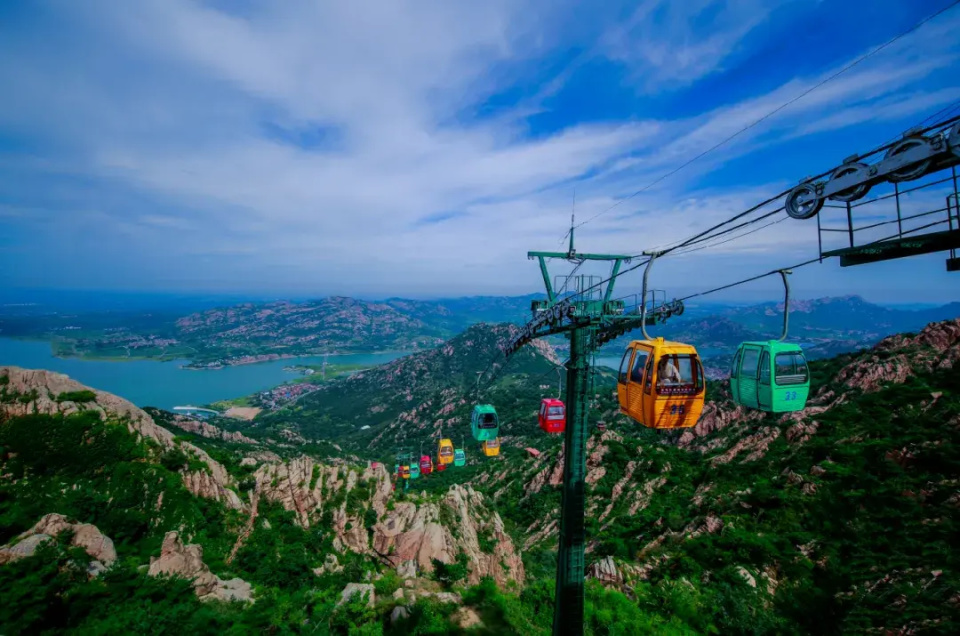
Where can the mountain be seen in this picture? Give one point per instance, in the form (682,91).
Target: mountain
(826,327)
(841,518)
(98,512)
(410,400)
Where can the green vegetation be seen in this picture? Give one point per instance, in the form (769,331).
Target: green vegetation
(846,522)
(77,396)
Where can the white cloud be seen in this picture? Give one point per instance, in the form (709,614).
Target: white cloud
(152,120)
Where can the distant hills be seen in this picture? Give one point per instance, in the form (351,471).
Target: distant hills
(250,332)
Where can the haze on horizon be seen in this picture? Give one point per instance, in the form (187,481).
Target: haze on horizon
(302,149)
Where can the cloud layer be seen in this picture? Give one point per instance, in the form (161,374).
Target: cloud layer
(415,148)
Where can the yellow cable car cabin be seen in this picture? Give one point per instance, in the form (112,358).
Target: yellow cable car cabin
(661,384)
(445,452)
(491,447)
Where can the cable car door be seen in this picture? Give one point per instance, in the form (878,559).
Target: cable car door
(635,395)
(622,379)
(765,393)
(734,380)
(747,378)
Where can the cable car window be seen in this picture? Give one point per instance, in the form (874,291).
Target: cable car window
(791,368)
(493,443)
(648,374)
(555,412)
(446,452)
(488,420)
(765,369)
(640,361)
(751,358)
(679,374)
(736,362)
(622,378)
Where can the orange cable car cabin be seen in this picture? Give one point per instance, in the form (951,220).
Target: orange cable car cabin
(553,416)
(661,384)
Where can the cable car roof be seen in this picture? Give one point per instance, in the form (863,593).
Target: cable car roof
(661,344)
(774,345)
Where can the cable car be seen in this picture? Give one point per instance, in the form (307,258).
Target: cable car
(770,376)
(459,457)
(484,423)
(426,464)
(661,384)
(414,471)
(491,447)
(553,416)
(445,452)
(405,472)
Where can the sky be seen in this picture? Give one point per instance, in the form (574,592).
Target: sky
(397,148)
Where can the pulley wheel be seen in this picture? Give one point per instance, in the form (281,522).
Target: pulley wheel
(954,140)
(803,202)
(911,171)
(678,308)
(856,192)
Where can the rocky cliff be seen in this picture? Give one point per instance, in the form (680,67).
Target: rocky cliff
(407,535)
(25,391)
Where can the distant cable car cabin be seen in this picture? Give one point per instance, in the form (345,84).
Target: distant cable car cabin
(405,472)
(445,452)
(770,376)
(553,416)
(484,424)
(414,471)
(426,464)
(661,384)
(491,447)
(459,457)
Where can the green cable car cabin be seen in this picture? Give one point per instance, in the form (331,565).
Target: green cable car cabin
(770,376)
(484,424)
(459,457)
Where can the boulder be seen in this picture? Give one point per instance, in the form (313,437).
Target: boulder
(398,614)
(186,561)
(364,590)
(83,535)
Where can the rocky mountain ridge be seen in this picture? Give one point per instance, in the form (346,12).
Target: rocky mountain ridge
(26,391)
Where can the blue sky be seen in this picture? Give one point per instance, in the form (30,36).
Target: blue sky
(390,148)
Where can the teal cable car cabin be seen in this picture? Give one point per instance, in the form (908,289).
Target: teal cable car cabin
(484,424)
(770,376)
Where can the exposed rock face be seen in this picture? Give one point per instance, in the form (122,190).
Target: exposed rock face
(186,561)
(48,386)
(898,357)
(203,429)
(303,486)
(86,536)
(363,590)
(605,570)
(419,534)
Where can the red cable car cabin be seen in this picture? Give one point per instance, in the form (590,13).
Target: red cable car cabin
(553,415)
(426,465)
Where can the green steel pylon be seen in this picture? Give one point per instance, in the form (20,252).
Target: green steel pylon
(589,318)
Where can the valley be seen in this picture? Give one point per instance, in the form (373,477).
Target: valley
(836,519)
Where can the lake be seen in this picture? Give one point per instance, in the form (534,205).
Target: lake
(165,384)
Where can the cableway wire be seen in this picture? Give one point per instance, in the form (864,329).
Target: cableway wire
(773,112)
(712,233)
